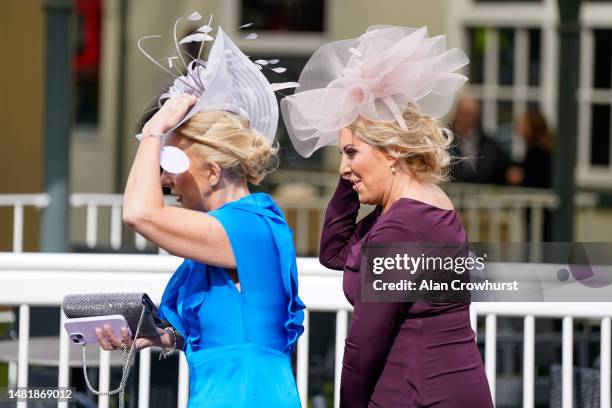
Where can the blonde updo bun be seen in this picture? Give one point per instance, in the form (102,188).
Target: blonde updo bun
(226,139)
(423,146)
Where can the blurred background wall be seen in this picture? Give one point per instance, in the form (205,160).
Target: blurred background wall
(21,114)
(513,49)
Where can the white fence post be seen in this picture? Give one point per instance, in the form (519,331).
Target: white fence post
(104,378)
(24,345)
(341,332)
(91,231)
(18,227)
(606,339)
(115,230)
(302,361)
(144,378)
(183,383)
(528,361)
(567,363)
(63,379)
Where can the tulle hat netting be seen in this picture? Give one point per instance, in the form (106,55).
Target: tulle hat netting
(374,76)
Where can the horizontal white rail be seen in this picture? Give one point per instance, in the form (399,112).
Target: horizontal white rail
(489,210)
(38,200)
(43,279)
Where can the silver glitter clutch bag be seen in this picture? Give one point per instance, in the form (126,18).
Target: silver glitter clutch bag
(129,305)
(138,310)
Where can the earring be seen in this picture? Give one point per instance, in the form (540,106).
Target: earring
(393,169)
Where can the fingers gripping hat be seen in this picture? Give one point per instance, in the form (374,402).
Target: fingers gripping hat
(374,76)
(227,81)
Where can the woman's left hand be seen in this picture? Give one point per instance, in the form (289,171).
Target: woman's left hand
(169,115)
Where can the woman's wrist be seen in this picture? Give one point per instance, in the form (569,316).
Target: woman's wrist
(153,135)
(153,131)
(171,341)
(166,340)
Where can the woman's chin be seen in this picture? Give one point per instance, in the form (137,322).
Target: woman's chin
(367,200)
(363,199)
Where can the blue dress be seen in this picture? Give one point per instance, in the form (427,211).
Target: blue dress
(238,343)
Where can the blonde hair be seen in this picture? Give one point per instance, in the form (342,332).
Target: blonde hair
(423,146)
(226,139)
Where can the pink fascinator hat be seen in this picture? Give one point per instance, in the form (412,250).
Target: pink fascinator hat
(374,76)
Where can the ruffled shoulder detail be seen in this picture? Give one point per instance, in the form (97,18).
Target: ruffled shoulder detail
(263,205)
(168,308)
(294,326)
(182,300)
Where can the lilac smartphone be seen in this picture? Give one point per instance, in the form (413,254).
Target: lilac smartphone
(83,329)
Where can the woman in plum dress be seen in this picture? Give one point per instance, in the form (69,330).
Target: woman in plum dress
(380,107)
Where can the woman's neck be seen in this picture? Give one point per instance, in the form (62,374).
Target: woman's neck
(227,192)
(404,185)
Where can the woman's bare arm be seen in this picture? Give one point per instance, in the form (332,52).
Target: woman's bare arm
(182,232)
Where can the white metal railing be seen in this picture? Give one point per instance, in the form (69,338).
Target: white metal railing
(18,202)
(489,213)
(93,202)
(299,212)
(43,279)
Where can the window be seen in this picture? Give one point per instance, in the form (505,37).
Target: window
(600,131)
(504,73)
(595,101)
(87,61)
(290,159)
(288,30)
(283,27)
(507,1)
(603,59)
(493,31)
(283,15)
(476,50)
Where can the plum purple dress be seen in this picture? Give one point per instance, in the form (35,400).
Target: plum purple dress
(399,354)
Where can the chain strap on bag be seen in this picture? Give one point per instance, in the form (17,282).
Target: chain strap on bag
(139,312)
(128,362)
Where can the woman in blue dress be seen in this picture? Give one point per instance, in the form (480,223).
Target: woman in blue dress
(233,304)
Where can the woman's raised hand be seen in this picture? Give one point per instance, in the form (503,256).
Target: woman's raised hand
(169,115)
